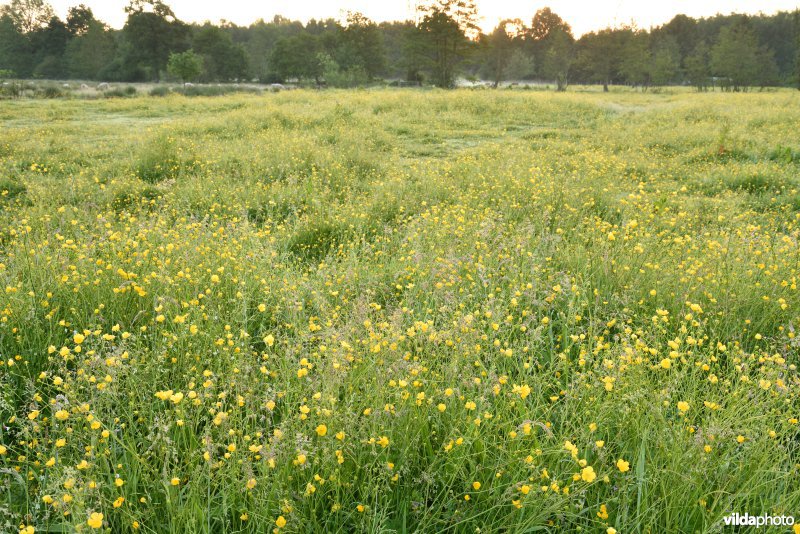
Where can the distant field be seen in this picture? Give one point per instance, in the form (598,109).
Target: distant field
(395,311)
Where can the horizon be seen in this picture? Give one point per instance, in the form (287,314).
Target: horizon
(582,18)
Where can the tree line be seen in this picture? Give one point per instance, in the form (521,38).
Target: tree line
(444,43)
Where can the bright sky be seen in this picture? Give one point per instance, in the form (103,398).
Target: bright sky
(582,15)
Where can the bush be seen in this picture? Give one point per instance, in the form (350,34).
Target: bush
(160,90)
(121,92)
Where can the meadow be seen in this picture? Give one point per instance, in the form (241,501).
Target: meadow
(399,311)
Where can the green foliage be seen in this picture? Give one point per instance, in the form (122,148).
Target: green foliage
(697,69)
(336,76)
(186,66)
(739,59)
(161,158)
(9,190)
(442,41)
(442,46)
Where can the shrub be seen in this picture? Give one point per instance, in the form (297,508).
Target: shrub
(160,90)
(121,92)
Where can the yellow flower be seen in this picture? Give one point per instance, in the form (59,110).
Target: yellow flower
(383,441)
(95,520)
(666,363)
(27,530)
(3,450)
(280,522)
(78,338)
(603,513)
(175,481)
(623,466)
(269,339)
(119,502)
(251,483)
(322,430)
(683,406)
(62,415)
(164,395)
(588,474)
(611,530)
(476,485)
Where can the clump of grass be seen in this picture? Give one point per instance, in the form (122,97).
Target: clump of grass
(129,199)
(161,159)
(10,189)
(315,239)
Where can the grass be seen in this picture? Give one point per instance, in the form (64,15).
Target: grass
(399,311)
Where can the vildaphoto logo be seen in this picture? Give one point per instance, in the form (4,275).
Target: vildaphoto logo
(747,520)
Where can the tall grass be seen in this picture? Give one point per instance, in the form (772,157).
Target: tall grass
(399,311)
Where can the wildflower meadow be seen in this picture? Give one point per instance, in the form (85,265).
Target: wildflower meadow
(399,311)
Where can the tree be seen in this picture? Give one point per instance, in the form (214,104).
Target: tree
(49,44)
(152,33)
(298,57)
(737,57)
(497,50)
(545,27)
(797,48)
(665,63)
(361,46)
(443,37)
(520,66)
(28,15)
(222,59)
(681,30)
(15,56)
(157,7)
(185,65)
(697,66)
(89,54)
(79,20)
(546,23)
(559,56)
(599,55)
(635,61)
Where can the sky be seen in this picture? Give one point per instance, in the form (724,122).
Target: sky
(582,15)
